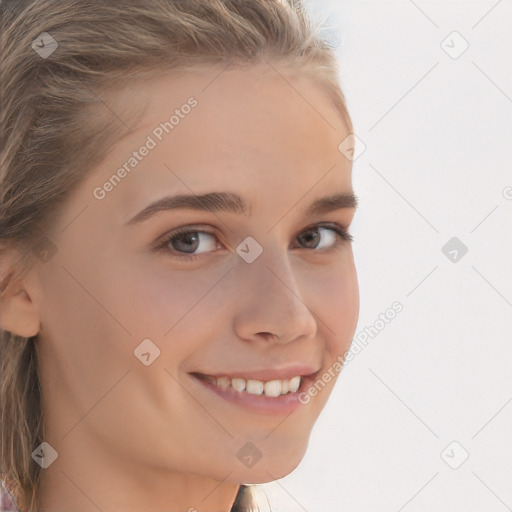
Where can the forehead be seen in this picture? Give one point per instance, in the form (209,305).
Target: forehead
(259,128)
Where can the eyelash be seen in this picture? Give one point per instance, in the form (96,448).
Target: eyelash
(343,237)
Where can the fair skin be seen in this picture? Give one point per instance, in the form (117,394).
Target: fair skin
(132,437)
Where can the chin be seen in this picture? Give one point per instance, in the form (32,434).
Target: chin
(272,469)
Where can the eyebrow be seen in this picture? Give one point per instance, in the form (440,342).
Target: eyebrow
(230,202)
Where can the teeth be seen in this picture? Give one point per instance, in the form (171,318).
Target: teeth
(271,388)
(255,387)
(238,384)
(294,384)
(223,383)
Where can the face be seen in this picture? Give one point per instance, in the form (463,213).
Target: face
(142,312)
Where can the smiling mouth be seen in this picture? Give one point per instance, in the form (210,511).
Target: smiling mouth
(269,388)
(263,396)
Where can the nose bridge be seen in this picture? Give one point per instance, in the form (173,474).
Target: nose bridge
(270,300)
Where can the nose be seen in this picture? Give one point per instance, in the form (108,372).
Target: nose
(270,305)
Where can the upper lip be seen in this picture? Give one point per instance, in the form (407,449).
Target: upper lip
(285,372)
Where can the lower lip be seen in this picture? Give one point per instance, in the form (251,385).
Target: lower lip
(262,404)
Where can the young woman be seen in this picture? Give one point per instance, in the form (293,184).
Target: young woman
(176,266)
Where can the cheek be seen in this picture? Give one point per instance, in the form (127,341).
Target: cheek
(158,301)
(337,305)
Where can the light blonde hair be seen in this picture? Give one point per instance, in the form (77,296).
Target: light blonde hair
(55,126)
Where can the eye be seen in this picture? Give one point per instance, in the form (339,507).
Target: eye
(185,242)
(333,235)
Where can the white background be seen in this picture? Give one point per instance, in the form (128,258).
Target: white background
(438,158)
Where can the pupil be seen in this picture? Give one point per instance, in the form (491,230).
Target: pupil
(188,236)
(313,235)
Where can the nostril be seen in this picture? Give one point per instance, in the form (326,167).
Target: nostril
(269,335)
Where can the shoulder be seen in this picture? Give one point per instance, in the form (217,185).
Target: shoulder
(8,496)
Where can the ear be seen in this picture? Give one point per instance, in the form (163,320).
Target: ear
(18,312)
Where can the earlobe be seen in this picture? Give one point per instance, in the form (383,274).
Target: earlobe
(19,314)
